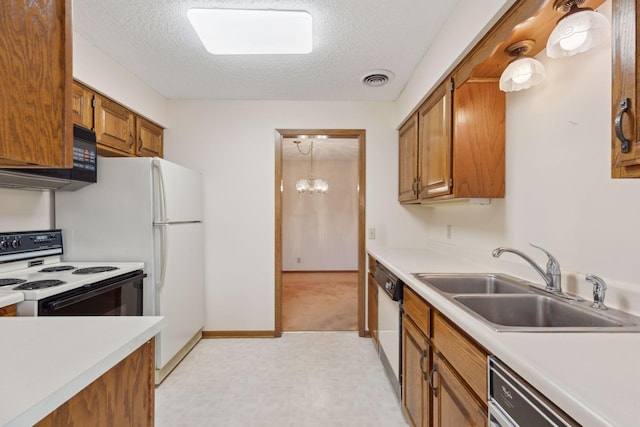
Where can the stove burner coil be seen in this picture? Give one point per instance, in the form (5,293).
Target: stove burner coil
(39,284)
(56,268)
(9,282)
(92,270)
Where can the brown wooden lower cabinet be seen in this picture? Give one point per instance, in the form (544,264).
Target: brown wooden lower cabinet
(9,311)
(454,405)
(444,371)
(372,304)
(123,396)
(416,395)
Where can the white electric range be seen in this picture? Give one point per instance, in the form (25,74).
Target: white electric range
(30,263)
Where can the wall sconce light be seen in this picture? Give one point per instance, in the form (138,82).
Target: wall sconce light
(577,31)
(524,71)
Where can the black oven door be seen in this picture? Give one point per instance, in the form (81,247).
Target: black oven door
(117,296)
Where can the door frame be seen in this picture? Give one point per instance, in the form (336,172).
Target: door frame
(359,134)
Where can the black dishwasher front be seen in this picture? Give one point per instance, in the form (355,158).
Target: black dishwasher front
(515,403)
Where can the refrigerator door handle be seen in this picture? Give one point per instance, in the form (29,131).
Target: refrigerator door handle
(163,255)
(161,192)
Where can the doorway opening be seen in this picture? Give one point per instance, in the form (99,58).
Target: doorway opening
(291,268)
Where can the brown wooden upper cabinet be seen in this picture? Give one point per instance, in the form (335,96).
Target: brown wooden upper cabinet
(458,149)
(35,113)
(119,131)
(435,144)
(115,127)
(625,146)
(82,102)
(150,142)
(408,160)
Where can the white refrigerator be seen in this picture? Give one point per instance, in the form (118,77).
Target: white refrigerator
(145,209)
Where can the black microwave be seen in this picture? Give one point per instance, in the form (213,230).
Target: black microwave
(83,172)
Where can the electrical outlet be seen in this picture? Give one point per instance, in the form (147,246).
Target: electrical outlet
(372,233)
(449,231)
(298,260)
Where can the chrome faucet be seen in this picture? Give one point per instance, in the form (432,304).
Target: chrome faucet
(552,277)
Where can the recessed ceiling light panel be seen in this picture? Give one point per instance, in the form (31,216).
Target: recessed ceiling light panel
(252,32)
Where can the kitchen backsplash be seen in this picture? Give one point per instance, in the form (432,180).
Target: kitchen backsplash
(24,210)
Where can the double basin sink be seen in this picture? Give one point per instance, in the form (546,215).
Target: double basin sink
(506,303)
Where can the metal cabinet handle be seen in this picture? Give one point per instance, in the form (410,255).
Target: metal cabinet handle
(625,144)
(140,143)
(130,139)
(431,374)
(422,359)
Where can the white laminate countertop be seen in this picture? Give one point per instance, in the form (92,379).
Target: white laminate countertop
(593,377)
(46,360)
(8,298)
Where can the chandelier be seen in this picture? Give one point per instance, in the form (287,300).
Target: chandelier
(310,185)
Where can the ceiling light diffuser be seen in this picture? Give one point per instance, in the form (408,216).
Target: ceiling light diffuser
(524,71)
(252,32)
(578,31)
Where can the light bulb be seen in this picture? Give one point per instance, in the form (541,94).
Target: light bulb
(522,73)
(574,41)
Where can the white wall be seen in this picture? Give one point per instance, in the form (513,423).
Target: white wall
(559,194)
(468,22)
(233,144)
(99,71)
(25,210)
(320,231)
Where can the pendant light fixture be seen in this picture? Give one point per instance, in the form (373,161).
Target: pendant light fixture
(310,185)
(524,71)
(577,31)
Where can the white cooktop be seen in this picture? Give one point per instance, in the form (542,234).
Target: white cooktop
(21,270)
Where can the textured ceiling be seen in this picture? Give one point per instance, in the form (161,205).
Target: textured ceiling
(153,39)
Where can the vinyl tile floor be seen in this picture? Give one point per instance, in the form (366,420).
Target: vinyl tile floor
(303,379)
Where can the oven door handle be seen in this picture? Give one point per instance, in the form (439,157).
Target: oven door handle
(65,302)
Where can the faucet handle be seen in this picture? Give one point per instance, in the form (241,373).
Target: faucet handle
(599,288)
(553,266)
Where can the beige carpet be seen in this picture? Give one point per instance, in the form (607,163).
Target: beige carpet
(319,301)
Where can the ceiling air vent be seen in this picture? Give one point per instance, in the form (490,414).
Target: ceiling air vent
(377,78)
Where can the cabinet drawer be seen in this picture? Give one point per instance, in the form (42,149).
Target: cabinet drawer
(464,355)
(419,311)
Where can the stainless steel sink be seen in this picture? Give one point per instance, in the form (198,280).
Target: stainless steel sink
(506,303)
(535,312)
(479,283)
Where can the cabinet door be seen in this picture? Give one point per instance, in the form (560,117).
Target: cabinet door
(122,396)
(453,404)
(9,311)
(416,358)
(36,128)
(435,143)
(408,160)
(625,70)
(82,106)
(149,135)
(478,139)
(372,312)
(115,127)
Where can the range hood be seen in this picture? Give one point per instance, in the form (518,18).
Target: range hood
(34,180)
(83,172)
